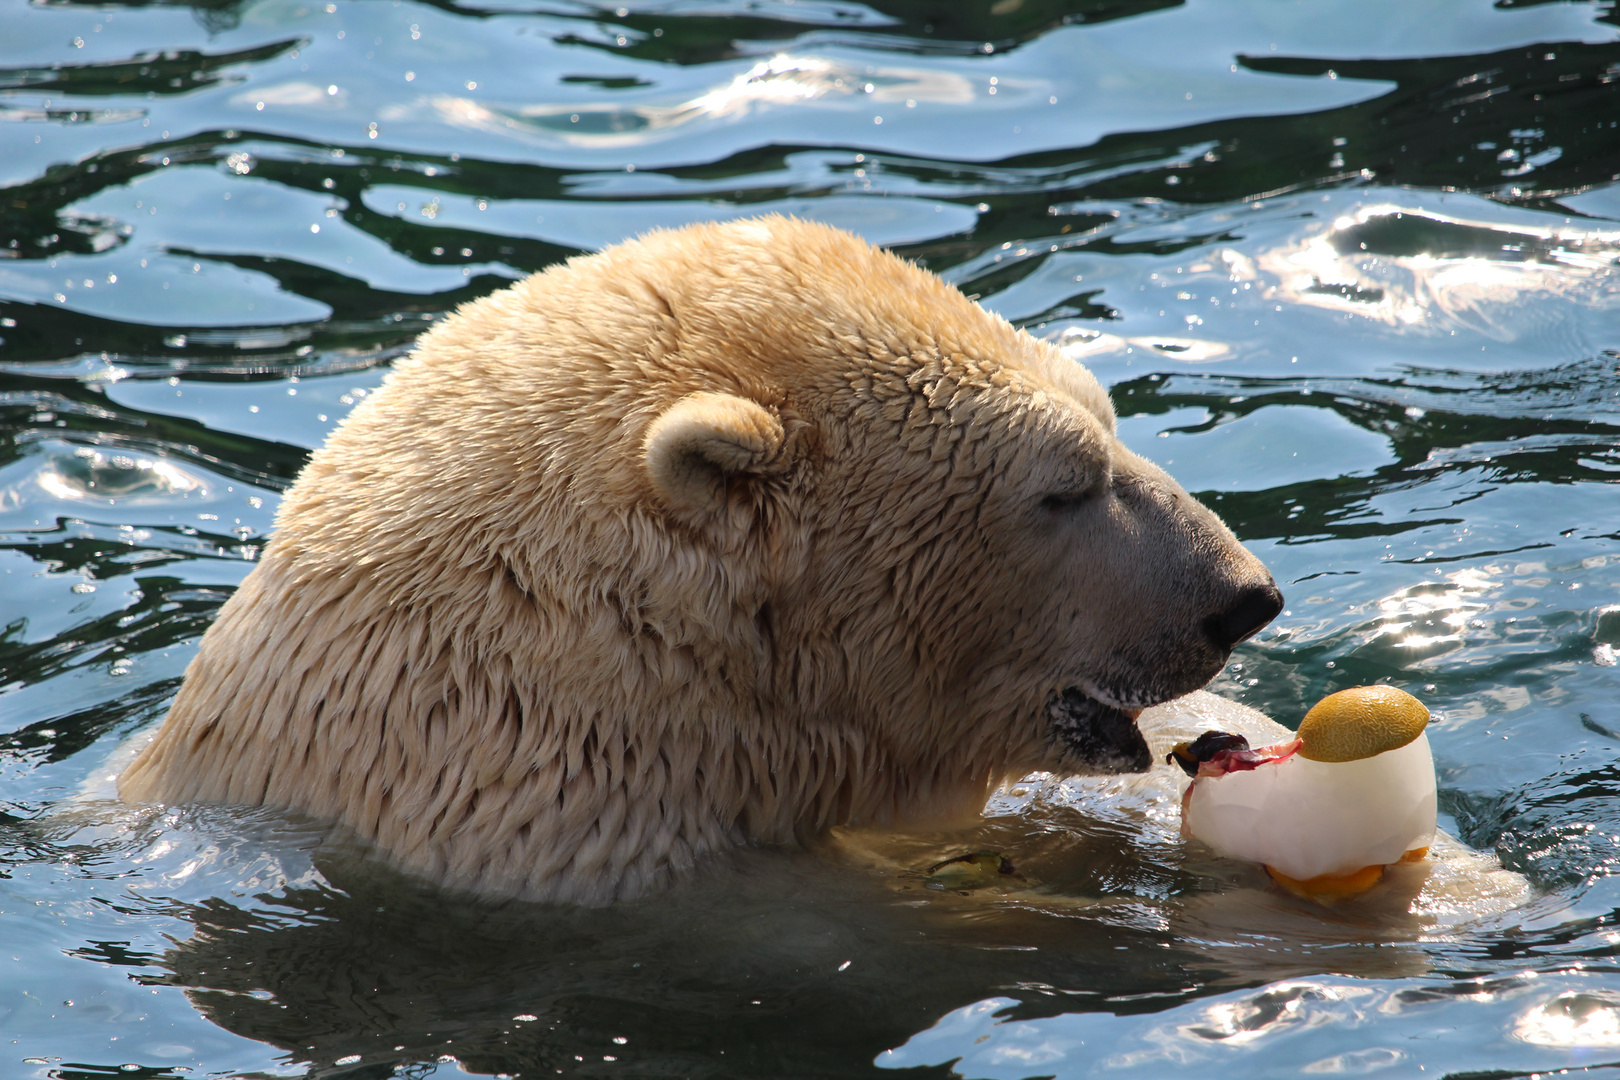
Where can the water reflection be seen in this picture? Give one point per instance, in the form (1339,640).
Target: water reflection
(782,80)
(989,1039)
(398,973)
(297,939)
(835,965)
(1432,618)
(1419,270)
(88,473)
(1348,270)
(587,225)
(1573,1018)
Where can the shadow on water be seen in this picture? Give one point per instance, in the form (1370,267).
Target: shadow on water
(769,964)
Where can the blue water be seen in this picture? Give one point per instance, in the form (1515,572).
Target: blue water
(1349,269)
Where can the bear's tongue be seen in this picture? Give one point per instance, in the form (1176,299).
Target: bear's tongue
(1101,737)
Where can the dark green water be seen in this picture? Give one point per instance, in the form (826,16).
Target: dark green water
(1354,268)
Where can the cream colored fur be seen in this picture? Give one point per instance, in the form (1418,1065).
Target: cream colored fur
(727,534)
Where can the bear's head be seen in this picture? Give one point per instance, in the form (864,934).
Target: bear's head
(948,548)
(737,531)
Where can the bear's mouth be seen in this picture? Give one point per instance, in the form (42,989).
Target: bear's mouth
(1099,735)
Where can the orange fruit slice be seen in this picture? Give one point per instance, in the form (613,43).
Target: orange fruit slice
(1330,887)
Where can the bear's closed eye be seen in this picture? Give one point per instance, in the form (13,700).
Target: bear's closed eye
(1064,502)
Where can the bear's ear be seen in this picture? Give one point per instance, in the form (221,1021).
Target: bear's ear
(703,441)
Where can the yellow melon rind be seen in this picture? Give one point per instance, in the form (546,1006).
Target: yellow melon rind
(1361,722)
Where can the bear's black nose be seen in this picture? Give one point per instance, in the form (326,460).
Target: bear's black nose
(1255,606)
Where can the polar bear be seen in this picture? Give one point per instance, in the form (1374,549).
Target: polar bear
(728,534)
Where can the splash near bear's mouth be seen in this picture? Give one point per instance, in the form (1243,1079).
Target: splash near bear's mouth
(1098,735)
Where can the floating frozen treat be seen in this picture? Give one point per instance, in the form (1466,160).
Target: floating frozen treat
(1328,811)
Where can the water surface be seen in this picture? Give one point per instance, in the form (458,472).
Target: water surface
(1349,269)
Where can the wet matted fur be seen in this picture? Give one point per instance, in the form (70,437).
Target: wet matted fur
(727,534)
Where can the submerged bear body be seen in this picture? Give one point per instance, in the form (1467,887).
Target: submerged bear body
(727,534)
